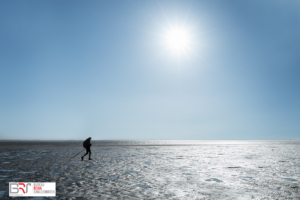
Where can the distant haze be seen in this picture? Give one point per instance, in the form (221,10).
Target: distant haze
(102,69)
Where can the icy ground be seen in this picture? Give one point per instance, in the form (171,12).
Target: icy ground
(209,171)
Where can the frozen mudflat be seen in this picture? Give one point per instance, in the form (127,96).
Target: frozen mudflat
(157,170)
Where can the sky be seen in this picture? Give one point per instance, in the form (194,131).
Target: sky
(107,69)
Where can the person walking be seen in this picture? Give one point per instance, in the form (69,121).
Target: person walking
(87,145)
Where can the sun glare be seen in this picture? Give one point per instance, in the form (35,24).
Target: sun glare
(177,40)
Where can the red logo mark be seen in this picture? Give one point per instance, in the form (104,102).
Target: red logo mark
(22,188)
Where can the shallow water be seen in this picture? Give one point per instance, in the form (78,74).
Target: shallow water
(203,170)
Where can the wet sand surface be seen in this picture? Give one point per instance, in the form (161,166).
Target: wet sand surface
(251,170)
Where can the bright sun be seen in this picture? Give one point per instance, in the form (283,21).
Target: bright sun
(177,40)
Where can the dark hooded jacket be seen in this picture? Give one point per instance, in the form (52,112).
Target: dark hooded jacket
(87,143)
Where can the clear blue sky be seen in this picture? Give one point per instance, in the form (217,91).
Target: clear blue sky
(73,69)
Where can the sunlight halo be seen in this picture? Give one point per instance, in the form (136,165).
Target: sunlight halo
(177,40)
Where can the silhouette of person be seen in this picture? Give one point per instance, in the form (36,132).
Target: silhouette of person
(87,145)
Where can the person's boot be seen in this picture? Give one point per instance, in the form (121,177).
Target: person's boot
(90,159)
(81,158)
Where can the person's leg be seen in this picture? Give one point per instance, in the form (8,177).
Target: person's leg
(90,154)
(84,154)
